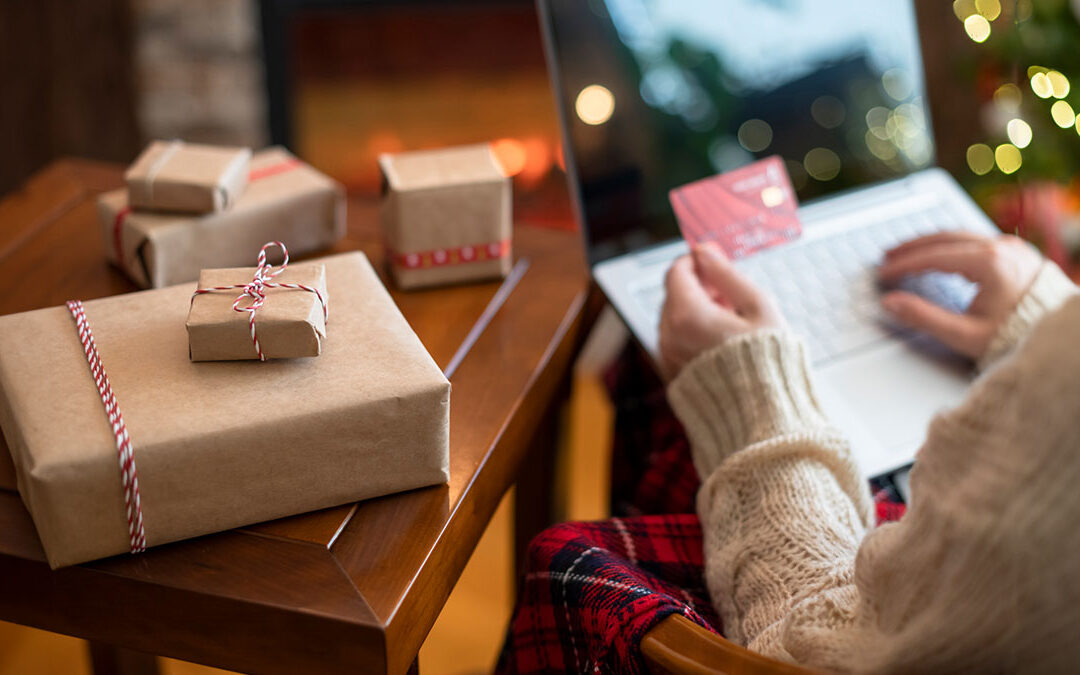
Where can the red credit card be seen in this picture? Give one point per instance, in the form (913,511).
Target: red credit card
(745,210)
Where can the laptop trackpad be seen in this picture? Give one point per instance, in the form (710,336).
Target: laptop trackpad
(890,394)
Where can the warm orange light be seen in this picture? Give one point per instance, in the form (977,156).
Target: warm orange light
(511,155)
(384,141)
(537,160)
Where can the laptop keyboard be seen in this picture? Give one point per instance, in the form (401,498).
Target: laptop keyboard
(827,289)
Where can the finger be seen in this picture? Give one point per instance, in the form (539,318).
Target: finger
(951,237)
(717,271)
(966,258)
(683,285)
(958,331)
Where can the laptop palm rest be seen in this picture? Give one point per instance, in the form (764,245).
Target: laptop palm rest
(884,399)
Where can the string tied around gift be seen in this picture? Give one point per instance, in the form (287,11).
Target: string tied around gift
(253,293)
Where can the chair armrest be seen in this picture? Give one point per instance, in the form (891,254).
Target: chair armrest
(678,645)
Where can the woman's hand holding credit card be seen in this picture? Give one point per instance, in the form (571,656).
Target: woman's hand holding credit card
(745,210)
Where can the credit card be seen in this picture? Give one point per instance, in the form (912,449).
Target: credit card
(745,210)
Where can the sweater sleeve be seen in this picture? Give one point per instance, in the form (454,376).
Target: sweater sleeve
(979,575)
(1048,291)
(782,504)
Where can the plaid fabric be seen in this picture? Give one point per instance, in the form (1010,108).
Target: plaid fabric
(591,591)
(651,471)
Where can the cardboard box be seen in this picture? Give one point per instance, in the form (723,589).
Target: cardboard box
(216,445)
(286,200)
(185,177)
(290,323)
(446,216)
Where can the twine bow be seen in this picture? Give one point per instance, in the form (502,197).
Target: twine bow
(255,290)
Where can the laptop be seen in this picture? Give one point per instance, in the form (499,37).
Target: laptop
(653,94)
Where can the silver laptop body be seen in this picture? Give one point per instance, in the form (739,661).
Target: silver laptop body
(880,384)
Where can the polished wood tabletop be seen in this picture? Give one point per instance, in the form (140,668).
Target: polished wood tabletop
(349,589)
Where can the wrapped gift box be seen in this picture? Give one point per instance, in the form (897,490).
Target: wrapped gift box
(285,200)
(290,323)
(185,177)
(215,445)
(446,216)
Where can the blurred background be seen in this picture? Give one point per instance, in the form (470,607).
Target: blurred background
(339,82)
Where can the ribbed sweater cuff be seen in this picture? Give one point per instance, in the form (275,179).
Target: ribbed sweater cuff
(1050,289)
(751,388)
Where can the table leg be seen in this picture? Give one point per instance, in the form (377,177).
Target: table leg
(534,504)
(109,660)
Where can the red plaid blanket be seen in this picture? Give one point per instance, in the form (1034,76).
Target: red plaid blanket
(591,591)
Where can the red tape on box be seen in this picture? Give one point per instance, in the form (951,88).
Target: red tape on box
(452,256)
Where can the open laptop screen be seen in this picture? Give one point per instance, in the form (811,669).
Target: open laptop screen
(657,93)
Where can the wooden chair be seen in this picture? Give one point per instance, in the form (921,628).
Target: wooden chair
(681,647)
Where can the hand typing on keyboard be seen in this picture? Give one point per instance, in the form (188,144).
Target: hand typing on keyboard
(1002,267)
(708,301)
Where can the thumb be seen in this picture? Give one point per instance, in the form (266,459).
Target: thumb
(958,331)
(720,275)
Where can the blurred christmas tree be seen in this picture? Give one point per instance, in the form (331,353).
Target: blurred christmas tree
(1026,173)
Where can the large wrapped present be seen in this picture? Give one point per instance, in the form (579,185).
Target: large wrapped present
(285,200)
(121,442)
(185,177)
(265,312)
(446,216)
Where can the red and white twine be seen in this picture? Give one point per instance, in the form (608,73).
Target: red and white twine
(129,477)
(256,290)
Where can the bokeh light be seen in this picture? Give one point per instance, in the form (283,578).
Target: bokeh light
(1008,96)
(1040,84)
(980,159)
(1062,114)
(595,104)
(880,148)
(1008,159)
(897,84)
(1059,84)
(511,155)
(822,164)
(1019,132)
(828,111)
(876,119)
(977,27)
(963,8)
(755,135)
(990,9)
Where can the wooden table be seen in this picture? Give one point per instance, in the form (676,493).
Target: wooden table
(349,589)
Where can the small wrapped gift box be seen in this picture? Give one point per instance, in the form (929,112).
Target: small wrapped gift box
(286,200)
(205,447)
(263,312)
(185,177)
(445,216)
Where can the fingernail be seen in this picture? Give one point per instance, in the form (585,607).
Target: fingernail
(709,248)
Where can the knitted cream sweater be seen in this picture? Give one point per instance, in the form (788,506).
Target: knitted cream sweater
(983,573)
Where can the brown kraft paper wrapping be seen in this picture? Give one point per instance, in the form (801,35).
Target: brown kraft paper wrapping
(286,200)
(216,445)
(438,201)
(289,324)
(176,176)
